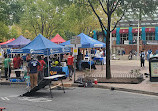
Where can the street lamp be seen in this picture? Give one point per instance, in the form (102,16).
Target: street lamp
(138,42)
(138,35)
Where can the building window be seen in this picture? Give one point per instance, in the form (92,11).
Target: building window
(123,38)
(150,36)
(135,36)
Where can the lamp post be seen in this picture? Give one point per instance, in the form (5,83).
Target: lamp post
(139,17)
(138,42)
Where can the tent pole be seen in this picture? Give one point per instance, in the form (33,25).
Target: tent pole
(8,67)
(48,62)
(90,62)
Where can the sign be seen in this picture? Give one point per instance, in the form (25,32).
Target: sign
(69,45)
(75,40)
(72,45)
(126,42)
(98,45)
(75,50)
(154,69)
(0,54)
(152,42)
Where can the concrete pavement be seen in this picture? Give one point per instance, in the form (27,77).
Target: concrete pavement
(119,67)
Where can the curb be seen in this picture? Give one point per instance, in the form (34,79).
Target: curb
(121,89)
(126,90)
(95,86)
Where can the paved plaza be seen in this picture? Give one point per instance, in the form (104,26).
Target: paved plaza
(119,67)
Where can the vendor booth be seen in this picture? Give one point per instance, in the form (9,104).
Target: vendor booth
(88,42)
(42,46)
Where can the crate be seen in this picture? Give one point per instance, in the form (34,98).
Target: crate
(17,80)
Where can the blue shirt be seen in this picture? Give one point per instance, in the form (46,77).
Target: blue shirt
(33,64)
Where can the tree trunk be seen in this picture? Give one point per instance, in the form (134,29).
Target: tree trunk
(108,69)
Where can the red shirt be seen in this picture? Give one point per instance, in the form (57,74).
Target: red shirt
(70,60)
(17,62)
(42,63)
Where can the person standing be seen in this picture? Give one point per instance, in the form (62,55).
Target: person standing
(142,58)
(28,58)
(97,54)
(41,68)
(70,63)
(7,66)
(93,51)
(101,52)
(79,60)
(32,70)
(17,64)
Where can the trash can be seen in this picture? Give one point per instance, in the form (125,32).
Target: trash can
(153,69)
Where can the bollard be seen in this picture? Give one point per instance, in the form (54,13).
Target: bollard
(95,81)
(1,108)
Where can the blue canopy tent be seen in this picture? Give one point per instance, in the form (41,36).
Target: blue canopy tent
(86,42)
(41,45)
(17,43)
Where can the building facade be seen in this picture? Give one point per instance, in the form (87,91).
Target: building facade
(126,39)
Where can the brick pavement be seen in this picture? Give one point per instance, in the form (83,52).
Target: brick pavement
(124,66)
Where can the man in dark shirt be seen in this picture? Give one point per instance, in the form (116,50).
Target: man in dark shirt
(32,69)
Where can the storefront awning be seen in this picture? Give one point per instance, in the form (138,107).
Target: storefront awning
(136,30)
(149,30)
(114,32)
(123,31)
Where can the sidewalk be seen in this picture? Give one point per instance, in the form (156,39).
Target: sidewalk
(118,67)
(124,66)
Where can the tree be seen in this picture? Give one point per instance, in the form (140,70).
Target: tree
(3,32)
(78,18)
(11,11)
(42,16)
(118,7)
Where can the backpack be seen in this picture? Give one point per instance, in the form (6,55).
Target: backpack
(142,56)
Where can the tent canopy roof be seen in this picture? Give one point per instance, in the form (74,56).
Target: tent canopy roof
(58,39)
(7,41)
(40,43)
(86,42)
(19,42)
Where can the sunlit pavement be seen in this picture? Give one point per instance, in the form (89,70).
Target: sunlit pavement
(75,99)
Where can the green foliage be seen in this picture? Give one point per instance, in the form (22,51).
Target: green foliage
(11,11)
(3,32)
(42,16)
